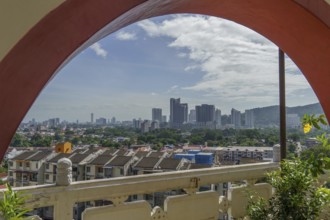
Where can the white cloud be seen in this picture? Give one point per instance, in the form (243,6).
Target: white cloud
(238,63)
(97,48)
(125,36)
(172,89)
(182,55)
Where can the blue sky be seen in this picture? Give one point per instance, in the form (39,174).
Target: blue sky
(202,60)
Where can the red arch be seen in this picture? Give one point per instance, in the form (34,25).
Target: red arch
(40,53)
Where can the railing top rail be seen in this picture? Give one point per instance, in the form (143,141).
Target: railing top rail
(148,183)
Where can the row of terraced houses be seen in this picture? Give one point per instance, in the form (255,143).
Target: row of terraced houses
(37,167)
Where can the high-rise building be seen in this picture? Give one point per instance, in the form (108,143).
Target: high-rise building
(92,118)
(249,118)
(53,122)
(101,121)
(178,112)
(113,120)
(217,118)
(145,126)
(154,125)
(205,113)
(236,118)
(164,119)
(137,123)
(192,116)
(157,114)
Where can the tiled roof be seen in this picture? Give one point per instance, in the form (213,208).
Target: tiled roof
(121,152)
(78,150)
(77,158)
(227,163)
(24,155)
(169,163)
(119,161)
(140,154)
(156,154)
(40,155)
(101,160)
(199,166)
(185,166)
(147,162)
(59,156)
(90,151)
(110,151)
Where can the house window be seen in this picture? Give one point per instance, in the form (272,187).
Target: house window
(47,176)
(20,164)
(122,171)
(47,166)
(11,163)
(27,164)
(37,165)
(88,169)
(10,173)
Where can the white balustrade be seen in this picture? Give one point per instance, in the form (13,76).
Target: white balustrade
(193,205)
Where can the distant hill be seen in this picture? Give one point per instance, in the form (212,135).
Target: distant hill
(270,115)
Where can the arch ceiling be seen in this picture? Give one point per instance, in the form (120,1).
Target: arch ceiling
(31,32)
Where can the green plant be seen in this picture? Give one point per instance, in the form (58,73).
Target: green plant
(11,206)
(297,195)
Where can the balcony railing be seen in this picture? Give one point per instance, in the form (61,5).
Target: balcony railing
(190,205)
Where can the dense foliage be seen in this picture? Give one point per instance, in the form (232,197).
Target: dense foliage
(11,206)
(106,136)
(298,194)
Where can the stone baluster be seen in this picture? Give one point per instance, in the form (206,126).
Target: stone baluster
(276,153)
(64,172)
(63,208)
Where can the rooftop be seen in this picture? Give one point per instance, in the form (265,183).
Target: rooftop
(24,155)
(101,160)
(40,155)
(169,164)
(140,154)
(147,163)
(199,166)
(58,157)
(110,151)
(157,154)
(77,158)
(119,161)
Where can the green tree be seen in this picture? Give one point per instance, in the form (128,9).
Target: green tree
(19,141)
(296,196)
(11,205)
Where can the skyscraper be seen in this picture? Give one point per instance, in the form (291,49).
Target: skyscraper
(236,118)
(113,120)
(249,118)
(192,116)
(92,118)
(178,112)
(218,118)
(205,113)
(157,114)
(164,119)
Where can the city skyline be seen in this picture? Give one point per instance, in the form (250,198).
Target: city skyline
(145,64)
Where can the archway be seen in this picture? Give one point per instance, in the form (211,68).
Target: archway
(74,25)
